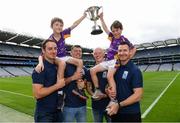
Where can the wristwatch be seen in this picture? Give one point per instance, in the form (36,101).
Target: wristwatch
(120,105)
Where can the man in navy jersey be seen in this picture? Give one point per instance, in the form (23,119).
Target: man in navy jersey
(129,87)
(45,86)
(75,106)
(99,105)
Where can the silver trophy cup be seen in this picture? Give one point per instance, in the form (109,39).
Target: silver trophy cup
(93,13)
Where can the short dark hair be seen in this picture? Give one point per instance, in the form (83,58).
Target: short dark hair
(117,24)
(43,44)
(125,43)
(76,46)
(56,19)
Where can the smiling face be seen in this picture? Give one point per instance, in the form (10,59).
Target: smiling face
(50,51)
(57,27)
(98,55)
(76,52)
(116,32)
(124,52)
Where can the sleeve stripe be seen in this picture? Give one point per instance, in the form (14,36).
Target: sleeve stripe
(110,38)
(67,35)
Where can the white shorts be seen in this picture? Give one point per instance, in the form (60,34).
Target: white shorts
(108,64)
(65,58)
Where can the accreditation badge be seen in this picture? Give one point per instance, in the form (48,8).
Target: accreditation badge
(125,74)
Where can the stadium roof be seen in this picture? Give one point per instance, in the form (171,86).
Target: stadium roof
(11,37)
(156,44)
(21,39)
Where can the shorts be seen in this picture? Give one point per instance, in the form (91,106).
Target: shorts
(108,64)
(65,58)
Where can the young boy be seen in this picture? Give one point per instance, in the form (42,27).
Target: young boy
(59,35)
(111,59)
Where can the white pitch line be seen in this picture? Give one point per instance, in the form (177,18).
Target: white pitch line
(157,99)
(16,93)
(27,95)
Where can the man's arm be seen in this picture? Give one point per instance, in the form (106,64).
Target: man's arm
(77,22)
(105,28)
(40,91)
(75,76)
(135,97)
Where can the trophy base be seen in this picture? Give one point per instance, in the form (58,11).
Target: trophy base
(96,32)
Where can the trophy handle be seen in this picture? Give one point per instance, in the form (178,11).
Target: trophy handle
(87,14)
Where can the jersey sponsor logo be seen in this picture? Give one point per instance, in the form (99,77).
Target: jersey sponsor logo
(125,74)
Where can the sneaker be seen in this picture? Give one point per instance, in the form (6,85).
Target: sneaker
(80,93)
(61,97)
(97,94)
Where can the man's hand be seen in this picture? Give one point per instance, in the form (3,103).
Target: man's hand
(112,109)
(60,83)
(80,84)
(76,76)
(39,68)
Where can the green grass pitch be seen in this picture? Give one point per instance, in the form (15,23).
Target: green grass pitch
(166,109)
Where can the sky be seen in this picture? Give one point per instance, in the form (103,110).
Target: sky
(143,20)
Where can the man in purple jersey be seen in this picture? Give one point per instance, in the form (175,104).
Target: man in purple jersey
(111,60)
(59,35)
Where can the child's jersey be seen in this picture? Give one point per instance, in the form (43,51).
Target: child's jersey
(61,47)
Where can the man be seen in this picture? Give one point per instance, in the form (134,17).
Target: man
(129,87)
(99,106)
(75,106)
(45,86)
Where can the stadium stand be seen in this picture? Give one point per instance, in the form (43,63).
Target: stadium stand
(153,67)
(176,67)
(143,67)
(165,67)
(19,53)
(15,71)
(28,69)
(4,73)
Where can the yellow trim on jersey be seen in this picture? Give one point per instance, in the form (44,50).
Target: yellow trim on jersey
(116,56)
(67,36)
(110,38)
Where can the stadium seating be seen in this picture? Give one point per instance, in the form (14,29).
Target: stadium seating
(14,50)
(15,71)
(18,53)
(143,67)
(176,67)
(153,67)
(4,73)
(28,69)
(165,67)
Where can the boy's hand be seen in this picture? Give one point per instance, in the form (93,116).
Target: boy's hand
(85,13)
(101,15)
(111,92)
(39,68)
(76,76)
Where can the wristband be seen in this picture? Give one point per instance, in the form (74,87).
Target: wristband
(120,105)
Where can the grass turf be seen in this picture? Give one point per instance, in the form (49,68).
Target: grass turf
(167,109)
